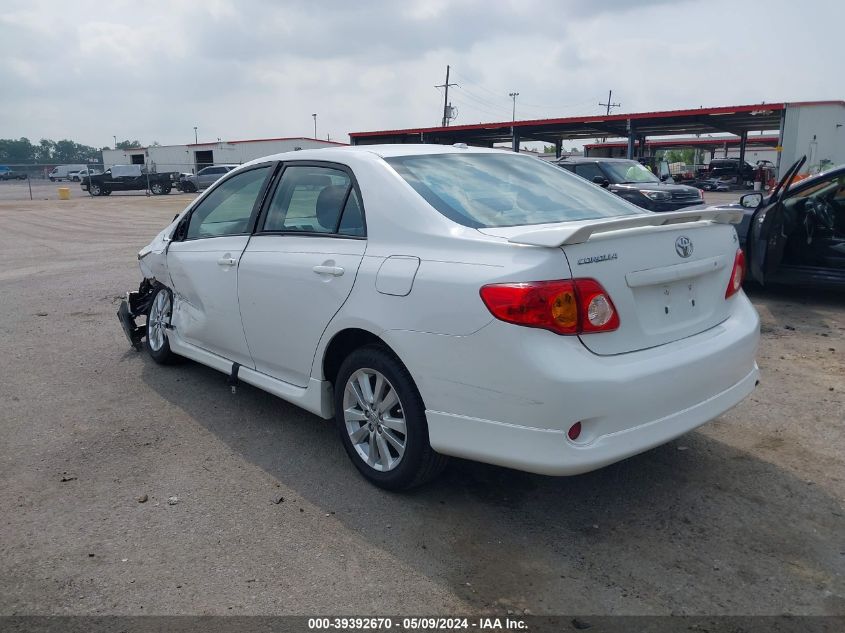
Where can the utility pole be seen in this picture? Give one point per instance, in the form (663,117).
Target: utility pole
(609,105)
(115,140)
(446,98)
(195,135)
(514,95)
(315,124)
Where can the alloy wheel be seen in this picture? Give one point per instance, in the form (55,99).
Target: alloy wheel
(375,420)
(158,320)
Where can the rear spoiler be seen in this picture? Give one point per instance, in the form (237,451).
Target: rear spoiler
(578,233)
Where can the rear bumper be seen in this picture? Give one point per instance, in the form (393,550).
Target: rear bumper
(507,395)
(549,452)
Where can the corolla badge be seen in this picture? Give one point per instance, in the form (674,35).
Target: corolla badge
(683,246)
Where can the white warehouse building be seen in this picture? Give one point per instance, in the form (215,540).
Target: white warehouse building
(193,157)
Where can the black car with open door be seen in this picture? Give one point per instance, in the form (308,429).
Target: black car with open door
(796,234)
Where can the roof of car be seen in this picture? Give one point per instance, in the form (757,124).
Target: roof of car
(382,151)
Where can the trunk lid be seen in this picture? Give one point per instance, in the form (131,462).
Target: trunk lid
(667,282)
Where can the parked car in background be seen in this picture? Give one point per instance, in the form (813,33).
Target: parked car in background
(179,180)
(506,311)
(126,178)
(730,168)
(206,177)
(628,179)
(796,234)
(77,176)
(7,173)
(62,172)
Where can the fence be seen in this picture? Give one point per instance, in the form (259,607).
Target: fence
(42,181)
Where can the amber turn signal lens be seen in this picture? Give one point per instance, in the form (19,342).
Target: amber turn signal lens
(565,310)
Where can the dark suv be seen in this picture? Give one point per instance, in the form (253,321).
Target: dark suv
(630,180)
(730,167)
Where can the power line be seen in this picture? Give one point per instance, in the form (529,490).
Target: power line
(482,102)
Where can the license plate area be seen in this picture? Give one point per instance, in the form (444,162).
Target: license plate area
(670,306)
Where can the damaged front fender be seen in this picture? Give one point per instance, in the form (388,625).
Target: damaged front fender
(153,256)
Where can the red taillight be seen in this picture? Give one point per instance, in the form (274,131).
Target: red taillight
(569,306)
(574,431)
(737,274)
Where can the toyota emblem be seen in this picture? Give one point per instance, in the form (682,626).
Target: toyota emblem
(683,246)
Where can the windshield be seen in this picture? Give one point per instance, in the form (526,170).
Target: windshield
(624,172)
(493,190)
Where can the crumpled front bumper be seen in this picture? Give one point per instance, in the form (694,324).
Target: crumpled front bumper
(134,305)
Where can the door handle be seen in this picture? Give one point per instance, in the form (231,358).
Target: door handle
(335,271)
(227,261)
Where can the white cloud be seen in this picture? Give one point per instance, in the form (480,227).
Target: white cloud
(243,69)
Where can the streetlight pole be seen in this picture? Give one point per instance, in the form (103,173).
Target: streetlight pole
(515,146)
(195,135)
(315,124)
(115,141)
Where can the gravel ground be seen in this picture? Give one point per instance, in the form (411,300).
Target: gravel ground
(744,516)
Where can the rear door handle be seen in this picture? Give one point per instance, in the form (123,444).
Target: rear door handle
(227,261)
(335,271)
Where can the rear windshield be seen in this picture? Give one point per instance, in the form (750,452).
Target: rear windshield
(492,190)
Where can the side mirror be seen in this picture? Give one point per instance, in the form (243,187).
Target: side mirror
(751,200)
(664,177)
(601,180)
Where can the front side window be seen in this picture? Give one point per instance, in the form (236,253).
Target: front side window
(228,208)
(309,199)
(482,190)
(629,172)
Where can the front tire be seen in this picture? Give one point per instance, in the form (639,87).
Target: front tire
(95,189)
(158,322)
(381,420)
(157,189)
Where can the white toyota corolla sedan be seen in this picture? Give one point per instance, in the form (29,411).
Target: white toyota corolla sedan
(441,301)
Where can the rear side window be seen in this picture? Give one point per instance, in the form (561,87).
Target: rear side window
(313,199)
(481,190)
(588,171)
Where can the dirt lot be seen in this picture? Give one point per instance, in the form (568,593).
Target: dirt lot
(744,516)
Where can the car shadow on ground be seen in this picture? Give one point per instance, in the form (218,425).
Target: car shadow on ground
(692,526)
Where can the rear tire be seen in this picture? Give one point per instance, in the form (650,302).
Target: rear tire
(158,322)
(381,420)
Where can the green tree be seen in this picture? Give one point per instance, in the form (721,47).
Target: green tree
(686,156)
(44,151)
(129,145)
(16,152)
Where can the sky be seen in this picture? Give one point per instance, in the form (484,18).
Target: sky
(241,69)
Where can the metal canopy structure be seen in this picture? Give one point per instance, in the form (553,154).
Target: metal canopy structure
(708,144)
(731,119)
(636,127)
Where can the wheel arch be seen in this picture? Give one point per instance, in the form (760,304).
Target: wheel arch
(342,343)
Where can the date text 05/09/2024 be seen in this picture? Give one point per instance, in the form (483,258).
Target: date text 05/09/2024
(416,624)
